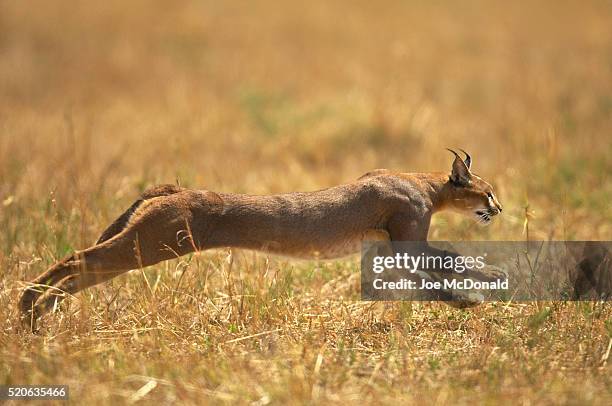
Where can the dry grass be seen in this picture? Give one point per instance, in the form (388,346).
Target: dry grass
(100,100)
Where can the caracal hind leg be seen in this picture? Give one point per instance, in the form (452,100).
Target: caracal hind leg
(162,228)
(122,221)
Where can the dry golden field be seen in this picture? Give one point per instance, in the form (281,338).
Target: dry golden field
(99,100)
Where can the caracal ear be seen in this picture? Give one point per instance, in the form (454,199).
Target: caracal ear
(460,174)
(467,160)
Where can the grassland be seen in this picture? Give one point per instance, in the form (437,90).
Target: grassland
(101,100)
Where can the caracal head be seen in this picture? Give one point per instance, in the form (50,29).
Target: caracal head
(471,195)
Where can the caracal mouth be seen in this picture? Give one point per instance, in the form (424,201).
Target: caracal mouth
(484,217)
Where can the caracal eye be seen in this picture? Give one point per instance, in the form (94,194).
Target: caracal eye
(490,195)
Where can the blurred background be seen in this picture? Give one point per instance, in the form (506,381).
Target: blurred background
(99,100)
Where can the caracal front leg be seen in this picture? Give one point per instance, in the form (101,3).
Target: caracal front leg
(406,227)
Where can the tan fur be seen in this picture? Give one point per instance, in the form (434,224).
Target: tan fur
(169,221)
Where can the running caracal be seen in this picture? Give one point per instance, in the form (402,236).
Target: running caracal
(170,221)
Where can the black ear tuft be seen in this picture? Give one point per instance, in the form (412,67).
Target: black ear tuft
(467,160)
